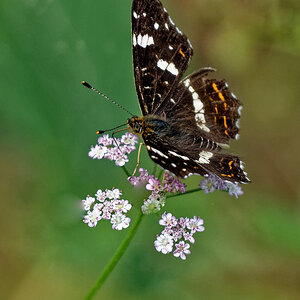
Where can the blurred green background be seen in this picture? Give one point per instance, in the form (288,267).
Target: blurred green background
(251,246)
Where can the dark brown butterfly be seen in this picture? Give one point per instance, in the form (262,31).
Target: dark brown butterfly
(183,121)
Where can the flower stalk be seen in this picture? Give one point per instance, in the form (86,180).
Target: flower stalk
(115,259)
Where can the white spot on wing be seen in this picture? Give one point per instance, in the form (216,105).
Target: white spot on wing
(191,89)
(170,47)
(145,40)
(172,100)
(178,155)
(204,157)
(198,106)
(173,165)
(178,30)
(240,110)
(172,69)
(162,64)
(196,97)
(135,15)
(190,174)
(134,40)
(156,26)
(167,26)
(187,82)
(171,21)
(144,14)
(199,111)
(242,166)
(159,152)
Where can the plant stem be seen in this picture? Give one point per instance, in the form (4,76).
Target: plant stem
(126,171)
(187,192)
(115,259)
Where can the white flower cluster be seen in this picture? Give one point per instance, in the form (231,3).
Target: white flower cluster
(180,231)
(158,189)
(107,205)
(114,149)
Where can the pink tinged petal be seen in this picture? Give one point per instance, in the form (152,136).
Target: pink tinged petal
(119,221)
(121,206)
(98,206)
(233,189)
(164,243)
(153,185)
(129,139)
(144,175)
(133,180)
(127,149)
(182,249)
(168,220)
(105,140)
(189,237)
(97,152)
(113,194)
(121,159)
(195,224)
(101,196)
(88,202)
(92,218)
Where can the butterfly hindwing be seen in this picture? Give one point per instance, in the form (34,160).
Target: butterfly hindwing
(205,104)
(161,53)
(200,156)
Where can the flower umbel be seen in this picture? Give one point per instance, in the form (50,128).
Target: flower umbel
(181,230)
(159,189)
(107,206)
(212,182)
(114,149)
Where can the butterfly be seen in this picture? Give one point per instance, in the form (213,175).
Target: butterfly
(185,122)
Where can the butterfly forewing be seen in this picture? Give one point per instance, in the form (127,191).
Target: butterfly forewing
(161,53)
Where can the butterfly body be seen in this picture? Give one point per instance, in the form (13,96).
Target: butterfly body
(184,121)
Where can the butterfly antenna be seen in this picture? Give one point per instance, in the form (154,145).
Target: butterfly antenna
(102,131)
(98,92)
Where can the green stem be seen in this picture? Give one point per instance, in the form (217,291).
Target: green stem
(160,174)
(188,192)
(115,259)
(126,171)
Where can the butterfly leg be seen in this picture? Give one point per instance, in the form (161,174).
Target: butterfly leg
(138,159)
(113,136)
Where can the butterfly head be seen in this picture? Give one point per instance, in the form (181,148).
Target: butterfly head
(136,125)
(147,125)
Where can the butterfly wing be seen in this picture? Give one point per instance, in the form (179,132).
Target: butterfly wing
(191,155)
(161,53)
(205,107)
(197,112)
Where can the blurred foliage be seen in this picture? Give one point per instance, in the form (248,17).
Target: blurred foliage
(250,249)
